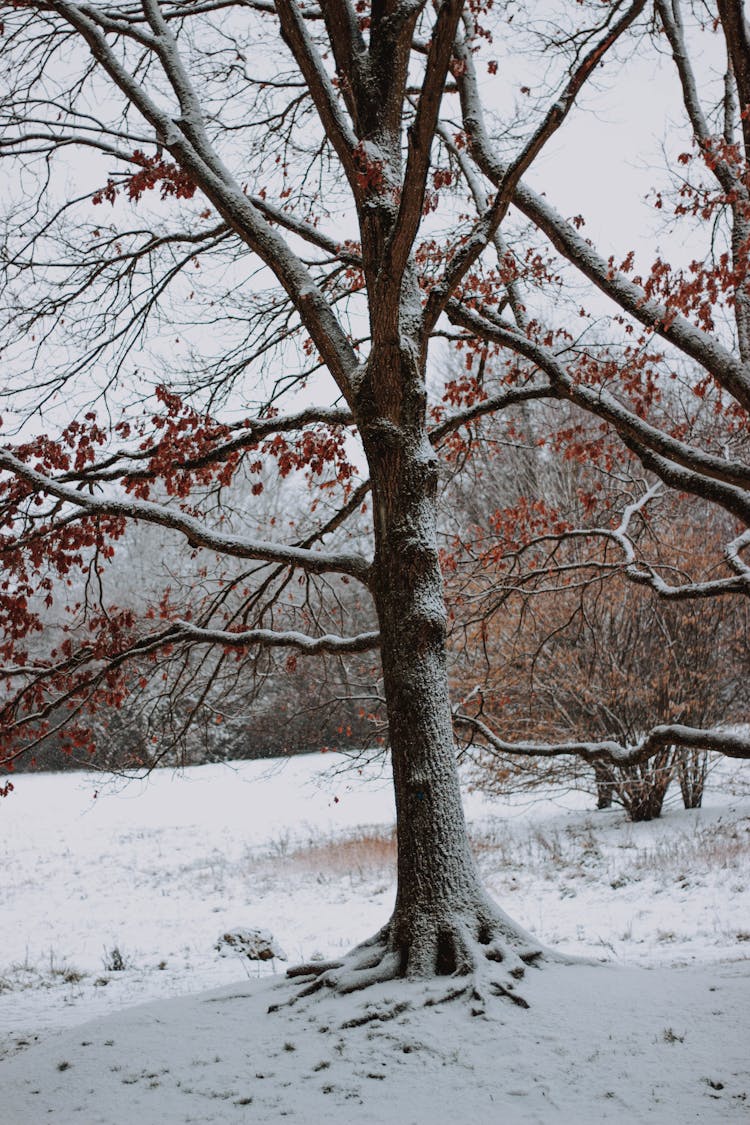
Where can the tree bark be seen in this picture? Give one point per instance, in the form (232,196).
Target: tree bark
(444,922)
(437,879)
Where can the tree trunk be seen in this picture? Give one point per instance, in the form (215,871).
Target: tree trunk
(443,922)
(692,769)
(605,786)
(642,788)
(437,879)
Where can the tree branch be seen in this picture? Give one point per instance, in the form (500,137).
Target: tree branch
(667,323)
(308,59)
(730,744)
(421,133)
(196,533)
(732,16)
(269,638)
(217,183)
(120,464)
(463,256)
(720,479)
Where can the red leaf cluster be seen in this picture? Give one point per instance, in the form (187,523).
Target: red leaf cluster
(154,171)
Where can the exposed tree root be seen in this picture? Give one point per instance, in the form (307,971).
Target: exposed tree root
(479,953)
(378,1015)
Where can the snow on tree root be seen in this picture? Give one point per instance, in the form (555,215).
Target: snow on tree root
(476,959)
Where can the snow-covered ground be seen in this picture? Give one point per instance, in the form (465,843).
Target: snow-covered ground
(115,899)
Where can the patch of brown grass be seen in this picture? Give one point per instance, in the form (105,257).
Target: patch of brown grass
(367,852)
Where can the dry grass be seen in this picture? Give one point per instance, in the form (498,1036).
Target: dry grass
(45,973)
(588,849)
(360,855)
(720,845)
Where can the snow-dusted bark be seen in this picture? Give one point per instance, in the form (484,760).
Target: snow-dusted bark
(442,914)
(443,922)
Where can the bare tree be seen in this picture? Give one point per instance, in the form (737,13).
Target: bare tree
(312,192)
(550,638)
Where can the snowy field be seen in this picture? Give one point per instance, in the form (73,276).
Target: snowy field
(114,896)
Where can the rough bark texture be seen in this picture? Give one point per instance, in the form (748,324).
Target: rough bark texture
(436,875)
(443,923)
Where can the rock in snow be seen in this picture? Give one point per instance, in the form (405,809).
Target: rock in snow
(256,945)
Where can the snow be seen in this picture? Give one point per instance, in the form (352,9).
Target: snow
(113,900)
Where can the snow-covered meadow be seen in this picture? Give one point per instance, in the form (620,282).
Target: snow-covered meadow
(114,895)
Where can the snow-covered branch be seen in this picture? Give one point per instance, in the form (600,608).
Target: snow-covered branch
(420,142)
(645,574)
(719,479)
(471,247)
(186,141)
(270,638)
(195,532)
(669,323)
(729,743)
(491,405)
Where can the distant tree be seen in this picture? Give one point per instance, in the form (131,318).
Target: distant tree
(605,661)
(551,642)
(229,213)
